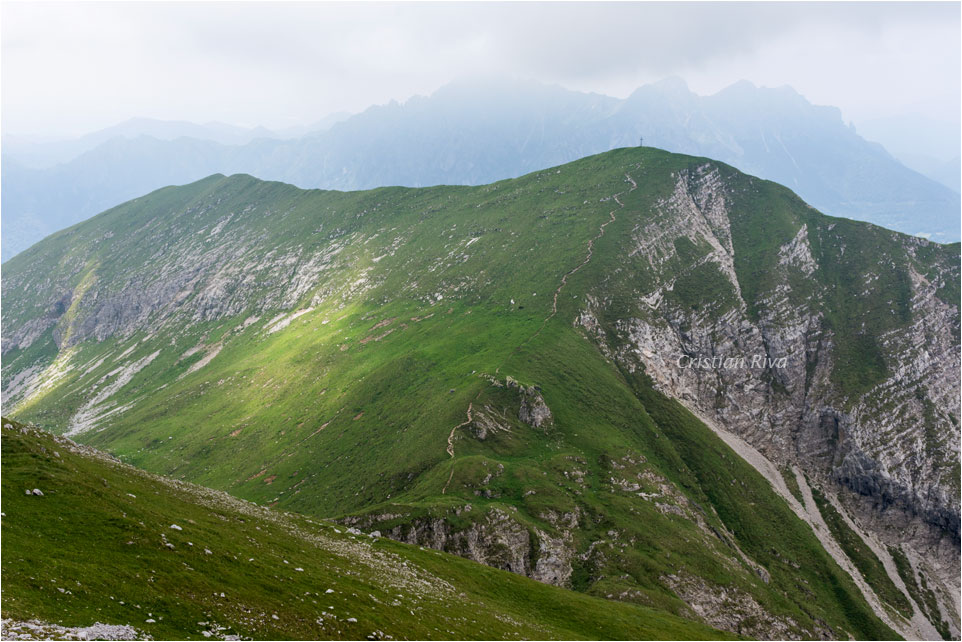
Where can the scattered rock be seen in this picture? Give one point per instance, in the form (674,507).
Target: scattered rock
(37,630)
(534,411)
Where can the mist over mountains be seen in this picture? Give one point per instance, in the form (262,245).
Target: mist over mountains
(477,131)
(39,153)
(929,146)
(489,320)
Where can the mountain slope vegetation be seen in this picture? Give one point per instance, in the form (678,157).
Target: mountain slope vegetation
(494,371)
(177,561)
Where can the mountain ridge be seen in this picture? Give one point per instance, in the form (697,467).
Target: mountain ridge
(315,349)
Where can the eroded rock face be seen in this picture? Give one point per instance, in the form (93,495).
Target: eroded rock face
(732,610)
(37,630)
(496,539)
(534,411)
(487,421)
(189,278)
(765,369)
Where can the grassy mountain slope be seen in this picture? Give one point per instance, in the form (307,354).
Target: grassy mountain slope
(94,548)
(384,357)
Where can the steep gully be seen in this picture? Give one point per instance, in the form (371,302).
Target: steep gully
(918,628)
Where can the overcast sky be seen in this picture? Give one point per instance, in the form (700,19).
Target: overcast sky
(70,68)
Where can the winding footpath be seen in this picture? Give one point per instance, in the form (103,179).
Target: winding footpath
(554,312)
(450,447)
(591,250)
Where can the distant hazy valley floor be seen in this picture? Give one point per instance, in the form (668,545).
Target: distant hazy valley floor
(499,372)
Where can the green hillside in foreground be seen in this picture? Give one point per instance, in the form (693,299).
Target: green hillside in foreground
(457,367)
(99,546)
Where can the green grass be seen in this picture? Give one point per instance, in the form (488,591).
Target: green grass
(705,285)
(865,560)
(792,483)
(923,596)
(99,533)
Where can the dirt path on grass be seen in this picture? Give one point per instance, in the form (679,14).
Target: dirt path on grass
(591,251)
(450,447)
(554,309)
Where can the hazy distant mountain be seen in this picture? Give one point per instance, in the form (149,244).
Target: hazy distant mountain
(318,126)
(37,202)
(928,146)
(479,131)
(915,134)
(946,172)
(42,154)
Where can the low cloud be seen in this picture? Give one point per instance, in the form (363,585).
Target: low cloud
(79,66)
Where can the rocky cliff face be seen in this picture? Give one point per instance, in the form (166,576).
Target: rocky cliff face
(767,368)
(496,539)
(191,274)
